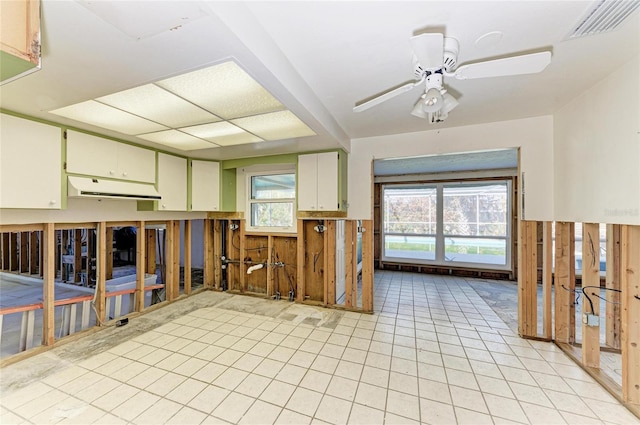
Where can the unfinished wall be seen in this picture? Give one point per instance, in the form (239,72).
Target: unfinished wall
(534,137)
(597,152)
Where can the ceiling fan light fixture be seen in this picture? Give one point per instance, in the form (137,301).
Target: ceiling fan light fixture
(449,102)
(432,100)
(418,110)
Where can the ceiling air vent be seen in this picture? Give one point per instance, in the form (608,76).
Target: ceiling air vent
(605,16)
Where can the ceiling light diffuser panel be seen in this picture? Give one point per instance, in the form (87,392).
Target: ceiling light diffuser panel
(275,126)
(177,139)
(216,106)
(100,115)
(156,104)
(225,90)
(222,133)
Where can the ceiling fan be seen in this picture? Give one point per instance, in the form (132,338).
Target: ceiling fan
(435,57)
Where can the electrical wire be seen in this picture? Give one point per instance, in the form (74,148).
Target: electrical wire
(598,295)
(574,292)
(316,257)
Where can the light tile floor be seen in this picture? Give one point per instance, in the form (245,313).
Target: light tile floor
(433,353)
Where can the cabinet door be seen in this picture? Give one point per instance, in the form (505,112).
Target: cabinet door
(307,182)
(172,183)
(30,164)
(328,181)
(136,164)
(205,186)
(91,155)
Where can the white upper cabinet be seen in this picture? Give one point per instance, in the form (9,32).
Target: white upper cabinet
(172,183)
(205,186)
(95,156)
(318,176)
(30,164)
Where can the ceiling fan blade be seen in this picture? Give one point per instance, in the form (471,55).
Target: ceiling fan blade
(525,64)
(384,97)
(429,49)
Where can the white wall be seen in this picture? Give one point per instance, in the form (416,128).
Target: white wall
(534,137)
(597,151)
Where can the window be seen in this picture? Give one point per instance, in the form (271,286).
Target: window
(272,197)
(448,223)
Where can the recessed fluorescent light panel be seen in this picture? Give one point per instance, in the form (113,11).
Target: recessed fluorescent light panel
(211,107)
(177,139)
(222,133)
(153,103)
(275,126)
(101,115)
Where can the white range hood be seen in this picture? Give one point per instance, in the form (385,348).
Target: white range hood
(88,187)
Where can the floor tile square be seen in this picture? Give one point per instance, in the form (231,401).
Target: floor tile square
(208,399)
(333,410)
(260,413)
(403,404)
(342,388)
(230,378)
(187,415)
(277,393)
(269,368)
(287,417)
(253,385)
(436,413)
(363,415)
(316,381)
(187,390)
(468,399)
(135,405)
(435,391)
(371,395)
(304,401)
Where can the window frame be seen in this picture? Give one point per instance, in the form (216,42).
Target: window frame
(250,201)
(440,235)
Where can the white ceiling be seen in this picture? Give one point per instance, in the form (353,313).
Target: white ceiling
(317,58)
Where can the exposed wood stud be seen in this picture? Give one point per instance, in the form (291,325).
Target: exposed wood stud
(565,283)
(187,256)
(547,279)
(151,241)
(528,279)
(34,249)
(5,251)
(109,245)
(140,266)
(349,251)
(169,253)
(591,291)
(269,266)
(176,258)
(302,260)
(330,261)
(367,266)
(13,251)
(101,269)
(242,252)
(209,238)
(234,256)
(214,258)
(630,286)
(77,255)
(24,252)
(613,282)
(48,296)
